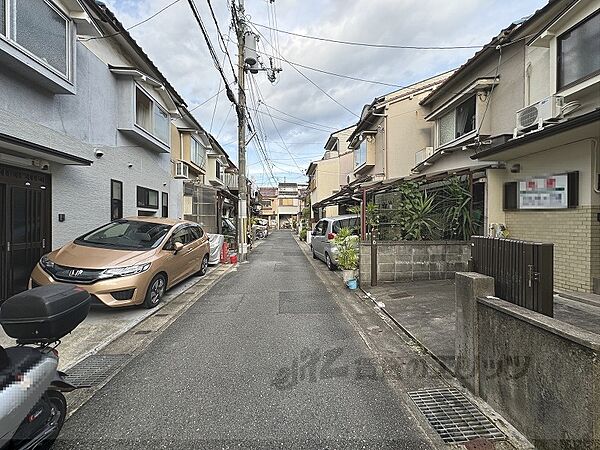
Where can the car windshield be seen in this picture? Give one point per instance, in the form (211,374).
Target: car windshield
(126,235)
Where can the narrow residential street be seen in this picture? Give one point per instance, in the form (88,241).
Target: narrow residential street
(266,359)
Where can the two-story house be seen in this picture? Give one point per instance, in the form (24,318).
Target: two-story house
(391,129)
(522,118)
(550,188)
(327,175)
(268,203)
(288,204)
(204,184)
(84,129)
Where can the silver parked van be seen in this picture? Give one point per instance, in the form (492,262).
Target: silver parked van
(322,244)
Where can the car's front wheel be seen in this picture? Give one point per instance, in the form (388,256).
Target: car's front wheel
(203,266)
(313,252)
(156,290)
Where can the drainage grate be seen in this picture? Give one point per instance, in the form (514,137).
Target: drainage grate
(94,369)
(143,332)
(453,416)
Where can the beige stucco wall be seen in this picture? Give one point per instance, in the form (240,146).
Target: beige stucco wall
(507,96)
(346,167)
(574,232)
(541,65)
(327,178)
(407,133)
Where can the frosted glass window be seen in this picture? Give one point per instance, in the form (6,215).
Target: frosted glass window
(150,116)
(2,17)
(198,153)
(446,127)
(161,124)
(40,29)
(360,154)
(579,52)
(143,110)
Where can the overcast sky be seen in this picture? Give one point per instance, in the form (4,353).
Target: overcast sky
(174,42)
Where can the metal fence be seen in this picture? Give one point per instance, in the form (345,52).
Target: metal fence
(523,271)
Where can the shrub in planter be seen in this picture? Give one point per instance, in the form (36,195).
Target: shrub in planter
(347,246)
(303,234)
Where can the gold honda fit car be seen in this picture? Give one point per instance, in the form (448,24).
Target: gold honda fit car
(129,261)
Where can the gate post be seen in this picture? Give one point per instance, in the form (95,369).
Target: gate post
(373,257)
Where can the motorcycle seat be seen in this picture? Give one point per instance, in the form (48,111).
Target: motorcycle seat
(20,360)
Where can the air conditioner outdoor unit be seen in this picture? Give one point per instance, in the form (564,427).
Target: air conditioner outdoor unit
(182,171)
(539,113)
(423,154)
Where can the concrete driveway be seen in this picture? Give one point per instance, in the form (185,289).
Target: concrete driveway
(103,325)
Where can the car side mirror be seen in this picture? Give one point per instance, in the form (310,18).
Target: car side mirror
(177,247)
(313,233)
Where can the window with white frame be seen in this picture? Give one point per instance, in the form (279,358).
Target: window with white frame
(458,122)
(218,170)
(40,29)
(150,116)
(360,154)
(579,52)
(197,153)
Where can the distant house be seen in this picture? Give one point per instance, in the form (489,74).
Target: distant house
(331,172)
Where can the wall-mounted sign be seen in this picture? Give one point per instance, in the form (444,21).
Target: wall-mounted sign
(544,193)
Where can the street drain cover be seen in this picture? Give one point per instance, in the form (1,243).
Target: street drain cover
(453,416)
(94,369)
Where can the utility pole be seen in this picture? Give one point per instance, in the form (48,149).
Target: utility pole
(241,113)
(248,61)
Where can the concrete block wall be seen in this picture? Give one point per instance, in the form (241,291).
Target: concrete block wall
(403,261)
(539,373)
(575,234)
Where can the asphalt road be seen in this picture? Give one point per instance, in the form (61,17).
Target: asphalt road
(265,359)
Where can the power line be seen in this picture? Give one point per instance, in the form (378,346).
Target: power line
(335,74)
(214,17)
(305,76)
(275,126)
(213,55)
(92,38)
(292,122)
(366,44)
(347,76)
(225,121)
(298,118)
(207,100)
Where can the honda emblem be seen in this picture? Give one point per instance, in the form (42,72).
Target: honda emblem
(75,272)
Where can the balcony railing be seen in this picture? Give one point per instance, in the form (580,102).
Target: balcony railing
(230,180)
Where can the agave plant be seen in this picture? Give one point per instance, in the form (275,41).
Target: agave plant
(457,210)
(419,223)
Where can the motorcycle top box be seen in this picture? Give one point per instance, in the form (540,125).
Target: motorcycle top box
(44,314)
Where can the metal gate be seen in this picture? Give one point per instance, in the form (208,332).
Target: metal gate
(523,271)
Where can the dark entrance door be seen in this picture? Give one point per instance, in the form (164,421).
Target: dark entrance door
(24,226)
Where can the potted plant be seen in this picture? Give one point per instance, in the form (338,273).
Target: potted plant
(347,253)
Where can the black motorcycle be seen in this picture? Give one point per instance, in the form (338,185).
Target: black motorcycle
(32,405)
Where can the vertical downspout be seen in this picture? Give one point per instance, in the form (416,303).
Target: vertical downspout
(363,215)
